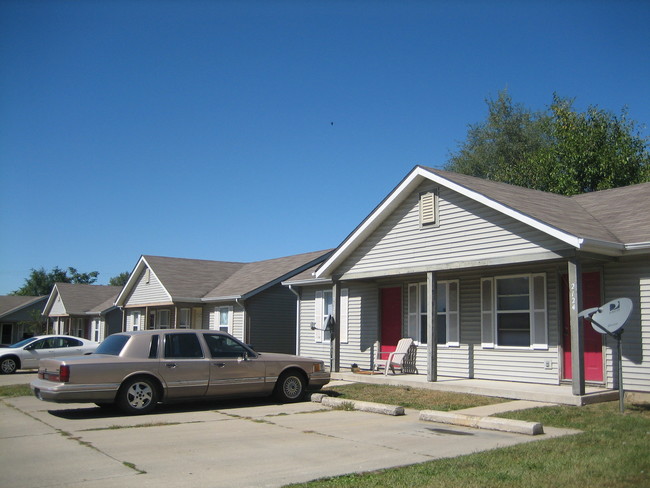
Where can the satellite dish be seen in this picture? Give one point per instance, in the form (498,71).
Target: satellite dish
(609,318)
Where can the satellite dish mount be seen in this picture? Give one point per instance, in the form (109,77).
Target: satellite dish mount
(609,319)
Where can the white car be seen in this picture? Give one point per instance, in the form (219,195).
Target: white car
(27,353)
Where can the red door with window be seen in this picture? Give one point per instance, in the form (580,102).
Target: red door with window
(391,319)
(593,341)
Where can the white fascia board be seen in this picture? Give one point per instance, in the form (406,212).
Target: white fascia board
(50,301)
(120,301)
(408,184)
(412,180)
(488,202)
(221,299)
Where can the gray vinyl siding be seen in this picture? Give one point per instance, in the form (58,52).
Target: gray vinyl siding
(630,278)
(467,231)
(510,363)
(272,315)
(363,325)
(148,293)
(307,343)
(57,307)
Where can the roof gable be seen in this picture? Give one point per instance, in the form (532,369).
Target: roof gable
(81,299)
(568,219)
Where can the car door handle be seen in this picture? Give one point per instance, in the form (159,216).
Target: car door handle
(219,365)
(171,365)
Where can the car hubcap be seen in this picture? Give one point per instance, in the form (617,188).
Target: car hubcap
(7,366)
(139,395)
(292,387)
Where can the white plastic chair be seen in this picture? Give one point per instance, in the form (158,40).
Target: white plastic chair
(396,358)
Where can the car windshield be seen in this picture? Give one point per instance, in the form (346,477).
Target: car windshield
(24,342)
(112,345)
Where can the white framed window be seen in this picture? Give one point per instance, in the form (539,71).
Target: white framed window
(514,311)
(162,319)
(135,317)
(79,329)
(224,319)
(447,315)
(323,309)
(97,330)
(184,318)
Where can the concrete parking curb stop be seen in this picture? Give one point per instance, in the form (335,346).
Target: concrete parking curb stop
(490,423)
(381,408)
(465,420)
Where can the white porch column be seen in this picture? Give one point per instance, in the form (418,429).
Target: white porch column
(432,339)
(335,336)
(577,332)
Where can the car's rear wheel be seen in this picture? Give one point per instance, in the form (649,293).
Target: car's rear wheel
(290,387)
(8,365)
(137,396)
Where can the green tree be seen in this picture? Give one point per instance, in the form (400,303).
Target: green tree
(558,150)
(40,282)
(120,279)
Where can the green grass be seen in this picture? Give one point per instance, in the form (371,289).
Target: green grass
(12,391)
(407,397)
(613,451)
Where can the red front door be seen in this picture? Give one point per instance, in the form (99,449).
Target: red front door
(391,319)
(593,341)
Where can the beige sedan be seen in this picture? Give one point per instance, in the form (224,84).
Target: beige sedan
(137,370)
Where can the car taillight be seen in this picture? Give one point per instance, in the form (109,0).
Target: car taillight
(64,373)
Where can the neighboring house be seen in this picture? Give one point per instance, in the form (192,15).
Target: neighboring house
(86,311)
(244,299)
(506,270)
(16,311)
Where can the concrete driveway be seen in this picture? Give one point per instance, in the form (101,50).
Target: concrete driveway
(234,444)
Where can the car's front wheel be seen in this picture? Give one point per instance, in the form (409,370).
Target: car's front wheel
(137,396)
(8,365)
(290,387)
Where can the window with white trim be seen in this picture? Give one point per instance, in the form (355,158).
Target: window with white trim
(514,311)
(135,317)
(184,321)
(224,319)
(162,319)
(323,307)
(447,317)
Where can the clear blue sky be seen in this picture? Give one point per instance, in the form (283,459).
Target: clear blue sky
(247,130)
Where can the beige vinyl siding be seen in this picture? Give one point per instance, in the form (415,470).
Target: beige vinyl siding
(467,231)
(148,293)
(630,278)
(363,324)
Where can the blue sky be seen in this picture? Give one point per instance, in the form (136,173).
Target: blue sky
(250,130)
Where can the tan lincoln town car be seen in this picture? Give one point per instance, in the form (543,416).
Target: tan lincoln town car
(137,370)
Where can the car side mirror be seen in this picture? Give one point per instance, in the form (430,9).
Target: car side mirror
(30,347)
(244,356)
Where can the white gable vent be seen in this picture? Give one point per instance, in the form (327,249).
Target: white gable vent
(428,208)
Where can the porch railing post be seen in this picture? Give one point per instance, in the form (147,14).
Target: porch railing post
(432,339)
(577,333)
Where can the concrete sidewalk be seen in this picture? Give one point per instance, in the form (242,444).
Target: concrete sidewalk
(245,444)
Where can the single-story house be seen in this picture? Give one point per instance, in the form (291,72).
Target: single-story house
(15,312)
(245,299)
(86,311)
(488,279)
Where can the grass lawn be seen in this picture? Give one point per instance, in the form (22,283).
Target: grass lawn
(613,450)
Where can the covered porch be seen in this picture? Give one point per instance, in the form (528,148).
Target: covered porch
(561,394)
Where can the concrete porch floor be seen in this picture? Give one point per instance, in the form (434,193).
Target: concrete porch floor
(561,394)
